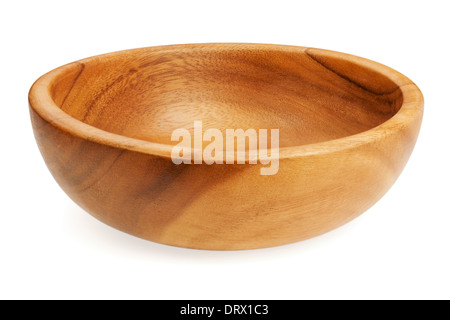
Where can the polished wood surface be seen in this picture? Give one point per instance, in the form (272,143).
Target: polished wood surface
(347,128)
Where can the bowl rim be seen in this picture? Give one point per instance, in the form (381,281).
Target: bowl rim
(41,101)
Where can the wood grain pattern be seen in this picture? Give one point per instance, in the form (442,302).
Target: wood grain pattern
(347,128)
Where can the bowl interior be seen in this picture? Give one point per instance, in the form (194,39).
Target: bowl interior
(311,95)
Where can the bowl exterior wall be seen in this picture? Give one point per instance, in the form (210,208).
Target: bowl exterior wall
(223,207)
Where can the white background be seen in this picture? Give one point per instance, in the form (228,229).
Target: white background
(49,248)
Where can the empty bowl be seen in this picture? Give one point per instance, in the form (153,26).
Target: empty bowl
(225,146)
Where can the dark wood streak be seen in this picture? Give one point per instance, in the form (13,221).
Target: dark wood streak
(173,186)
(104,173)
(82,65)
(346,78)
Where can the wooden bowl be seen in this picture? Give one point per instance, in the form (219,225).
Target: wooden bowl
(347,127)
